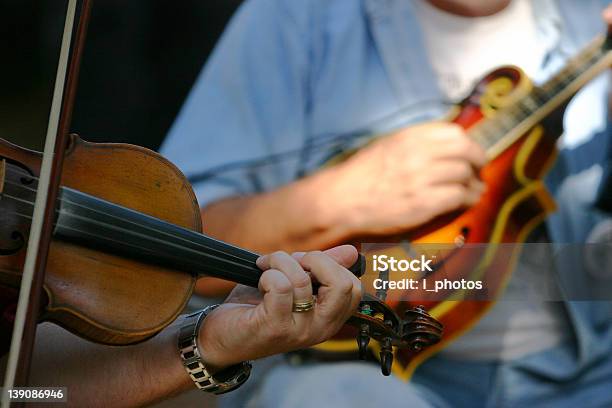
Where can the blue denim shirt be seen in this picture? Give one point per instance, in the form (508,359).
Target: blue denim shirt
(292,82)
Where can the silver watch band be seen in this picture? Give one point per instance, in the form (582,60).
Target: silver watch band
(224,381)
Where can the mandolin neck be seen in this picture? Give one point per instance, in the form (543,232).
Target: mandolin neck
(509,124)
(94,222)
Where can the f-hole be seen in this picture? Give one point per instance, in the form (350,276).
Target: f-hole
(15,239)
(27,178)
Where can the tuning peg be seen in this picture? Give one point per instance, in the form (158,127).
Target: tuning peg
(421,330)
(363,339)
(386,356)
(418,344)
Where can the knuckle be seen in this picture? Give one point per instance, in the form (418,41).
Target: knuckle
(455,130)
(278,255)
(458,191)
(465,170)
(302,282)
(277,281)
(283,287)
(326,314)
(329,332)
(345,286)
(304,338)
(465,147)
(312,255)
(455,196)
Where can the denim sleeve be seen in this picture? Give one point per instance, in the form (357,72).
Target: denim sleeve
(248,103)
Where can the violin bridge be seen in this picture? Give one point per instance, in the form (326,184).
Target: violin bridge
(2,174)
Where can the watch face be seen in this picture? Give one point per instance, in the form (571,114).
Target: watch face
(239,373)
(233,373)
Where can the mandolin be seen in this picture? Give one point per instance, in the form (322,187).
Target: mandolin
(517,124)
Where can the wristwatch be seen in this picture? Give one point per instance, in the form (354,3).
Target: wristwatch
(223,381)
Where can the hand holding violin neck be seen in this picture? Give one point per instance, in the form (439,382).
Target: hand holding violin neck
(94,222)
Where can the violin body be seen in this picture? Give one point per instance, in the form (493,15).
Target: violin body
(127,249)
(103,297)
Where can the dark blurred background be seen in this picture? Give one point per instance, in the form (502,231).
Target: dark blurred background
(141,58)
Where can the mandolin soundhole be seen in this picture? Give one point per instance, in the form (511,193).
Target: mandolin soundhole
(462,237)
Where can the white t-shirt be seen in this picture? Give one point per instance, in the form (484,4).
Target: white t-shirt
(461,51)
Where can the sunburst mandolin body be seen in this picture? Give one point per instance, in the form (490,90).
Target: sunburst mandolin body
(514,203)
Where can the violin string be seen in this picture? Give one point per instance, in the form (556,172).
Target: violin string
(141,235)
(19,214)
(132,232)
(135,246)
(63,200)
(118,228)
(20,185)
(153,229)
(171,244)
(17,199)
(109,225)
(20,171)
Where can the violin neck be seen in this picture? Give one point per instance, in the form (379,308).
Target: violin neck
(91,221)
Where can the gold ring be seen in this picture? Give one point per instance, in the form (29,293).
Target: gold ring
(304,305)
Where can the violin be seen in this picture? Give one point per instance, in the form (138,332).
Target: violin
(127,247)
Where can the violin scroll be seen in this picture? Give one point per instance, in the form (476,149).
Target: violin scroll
(375,320)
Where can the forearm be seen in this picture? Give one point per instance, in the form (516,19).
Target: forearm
(299,216)
(102,376)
